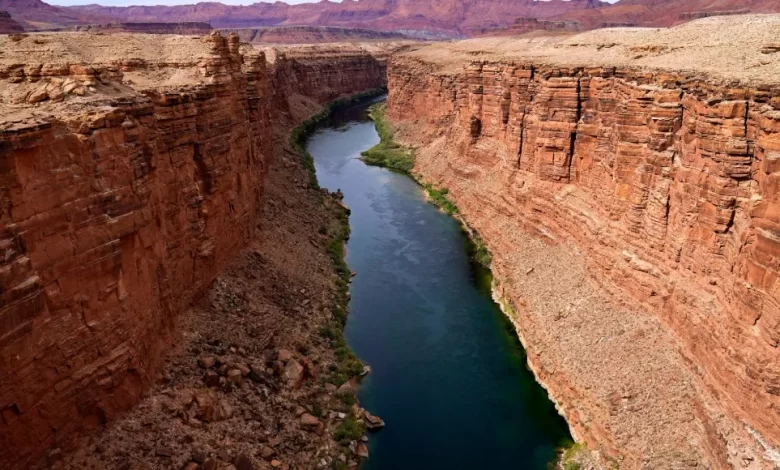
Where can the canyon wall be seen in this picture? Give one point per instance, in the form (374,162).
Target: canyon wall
(131,168)
(665,182)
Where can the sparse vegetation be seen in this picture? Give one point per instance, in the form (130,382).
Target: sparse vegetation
(439,198)
(347,364)
(338,465)
(347,398)
(570,456)
(348,430)
(479,251)
(387,153)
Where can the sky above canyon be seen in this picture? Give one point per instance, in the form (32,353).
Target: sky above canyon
(123,3)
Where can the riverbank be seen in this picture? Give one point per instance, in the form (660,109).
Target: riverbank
(397,157)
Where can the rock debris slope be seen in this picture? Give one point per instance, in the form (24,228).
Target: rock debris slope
(132,171)
(646,161)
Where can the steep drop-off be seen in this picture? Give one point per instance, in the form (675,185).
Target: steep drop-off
(131,172)
(662,183)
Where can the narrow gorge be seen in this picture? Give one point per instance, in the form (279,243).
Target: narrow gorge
(173,287)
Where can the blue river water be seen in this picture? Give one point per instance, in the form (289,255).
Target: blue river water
(449,375)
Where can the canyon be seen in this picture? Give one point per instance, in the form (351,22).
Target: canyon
(624,182)
(168,260)
(134,169)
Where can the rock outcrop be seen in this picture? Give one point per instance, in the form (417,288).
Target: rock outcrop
(8,25)
(131,171)
(664,183)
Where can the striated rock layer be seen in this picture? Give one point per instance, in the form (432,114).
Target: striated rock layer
(665,183)
(131,167)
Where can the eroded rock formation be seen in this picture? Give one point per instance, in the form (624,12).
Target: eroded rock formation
(132,168)
(665,182)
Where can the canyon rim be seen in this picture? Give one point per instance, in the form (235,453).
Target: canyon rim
(172,285)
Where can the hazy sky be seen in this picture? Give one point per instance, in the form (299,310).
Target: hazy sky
(172,2)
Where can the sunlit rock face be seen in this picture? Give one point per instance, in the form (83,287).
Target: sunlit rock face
(131,170)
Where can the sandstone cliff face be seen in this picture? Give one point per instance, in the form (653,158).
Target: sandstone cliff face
(304,76)
(666,183)
(131,167)
(113,219)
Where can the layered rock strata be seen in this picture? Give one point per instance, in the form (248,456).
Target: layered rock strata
(132,169)
(663,184)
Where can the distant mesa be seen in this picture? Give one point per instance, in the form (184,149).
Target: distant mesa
(312,34)
(410,18)
(8,25)
(528,25)
(186,27)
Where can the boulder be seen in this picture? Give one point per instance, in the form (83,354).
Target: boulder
(293,373)
(373,422)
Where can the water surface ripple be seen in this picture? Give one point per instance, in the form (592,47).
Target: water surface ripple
(449,375)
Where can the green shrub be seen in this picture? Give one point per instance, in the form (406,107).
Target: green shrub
(387,153)
(338,465)
(347,398)
(439,198)
(348,430)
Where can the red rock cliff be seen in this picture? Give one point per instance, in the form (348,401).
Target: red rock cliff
(666,183)
(130,171)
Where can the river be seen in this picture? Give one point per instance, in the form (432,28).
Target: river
(449,375)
